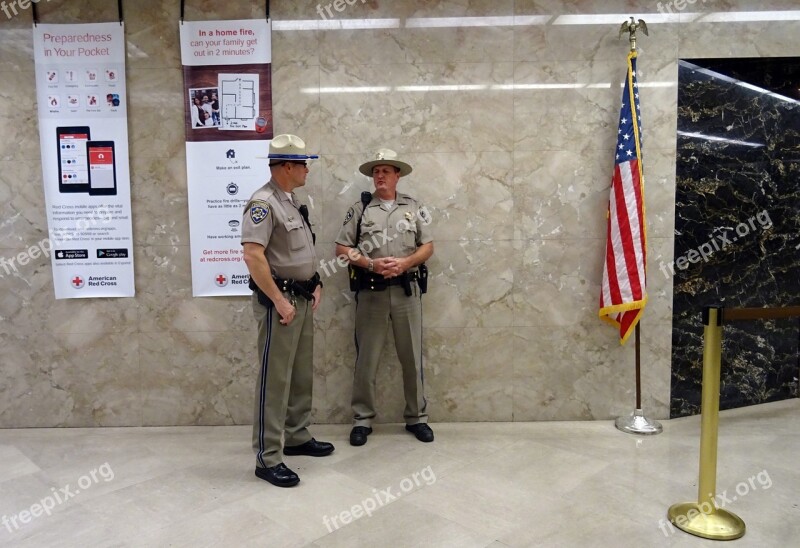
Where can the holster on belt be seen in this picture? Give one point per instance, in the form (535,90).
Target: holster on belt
(405,281)
(303,289)
(422,278)
(263,300)
(355,274)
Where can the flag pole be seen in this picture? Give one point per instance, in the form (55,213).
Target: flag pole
(636,422)
(638,366)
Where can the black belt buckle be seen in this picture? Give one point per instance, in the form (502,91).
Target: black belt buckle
(374,282)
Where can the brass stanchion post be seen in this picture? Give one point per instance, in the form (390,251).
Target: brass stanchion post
(703,518)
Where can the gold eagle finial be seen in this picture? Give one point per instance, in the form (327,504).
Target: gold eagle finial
(631,27)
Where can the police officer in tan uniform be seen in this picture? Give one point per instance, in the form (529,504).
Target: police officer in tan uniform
(279,253)
(393,240)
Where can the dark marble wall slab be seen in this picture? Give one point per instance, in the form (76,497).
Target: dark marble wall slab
(737,226)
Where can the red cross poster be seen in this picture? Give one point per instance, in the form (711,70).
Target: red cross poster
(83,132)
(228,117)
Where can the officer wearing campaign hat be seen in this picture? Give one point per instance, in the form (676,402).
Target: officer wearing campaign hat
(386,238)
(279,253)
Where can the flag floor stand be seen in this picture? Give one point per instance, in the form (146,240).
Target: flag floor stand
(637,423)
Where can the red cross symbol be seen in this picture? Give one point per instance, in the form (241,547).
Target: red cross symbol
(221,280)
(77,282)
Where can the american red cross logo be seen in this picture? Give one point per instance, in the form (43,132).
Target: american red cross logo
(77,282)
(221,280)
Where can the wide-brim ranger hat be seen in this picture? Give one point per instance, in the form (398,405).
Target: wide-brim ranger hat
(385,157)
(288,148)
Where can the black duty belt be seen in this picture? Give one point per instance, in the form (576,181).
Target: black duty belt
(376,282)
(301,288)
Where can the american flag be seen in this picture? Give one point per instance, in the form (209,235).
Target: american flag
(624,293)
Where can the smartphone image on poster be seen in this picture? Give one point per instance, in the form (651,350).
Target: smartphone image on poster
(73,172)
(102,168)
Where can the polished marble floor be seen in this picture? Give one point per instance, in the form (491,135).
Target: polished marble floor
(478,484)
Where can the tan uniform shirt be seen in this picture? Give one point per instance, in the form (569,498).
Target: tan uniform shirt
(394,233)
(273,220)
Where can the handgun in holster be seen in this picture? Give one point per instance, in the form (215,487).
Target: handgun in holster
(263,300)
(406,283)
(422,278)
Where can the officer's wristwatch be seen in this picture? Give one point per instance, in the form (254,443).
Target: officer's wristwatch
(371,265)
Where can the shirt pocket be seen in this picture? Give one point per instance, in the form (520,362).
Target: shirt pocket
(295,235)
(372,233)
(408,235)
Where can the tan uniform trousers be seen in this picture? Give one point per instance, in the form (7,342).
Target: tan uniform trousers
(285,380)
(374,309)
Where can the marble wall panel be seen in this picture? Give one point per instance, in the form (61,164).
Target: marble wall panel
(471,284)
(557,30)
(557,196)
(737,202)
(158,188)
(22,216)
(556,100)
(477,389)
(18,110)
(296,103)
(196,377)
(153,38)
(420,32)
(580,373)
(16,46)
(67,379)
(507,110)
(421,114)
(557,282)
(153,121)
(333,380)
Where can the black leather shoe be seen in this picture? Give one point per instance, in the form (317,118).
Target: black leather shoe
(422,431)
(358,435)
(311,448)
(278,475)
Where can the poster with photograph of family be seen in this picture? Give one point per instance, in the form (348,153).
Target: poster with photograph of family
(204,108)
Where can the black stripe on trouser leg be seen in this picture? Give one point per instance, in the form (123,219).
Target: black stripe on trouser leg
(421,346)
(263,389)
(355,334)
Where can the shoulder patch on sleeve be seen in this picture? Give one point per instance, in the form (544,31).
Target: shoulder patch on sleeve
(350,213)
(258,211)
(425,215)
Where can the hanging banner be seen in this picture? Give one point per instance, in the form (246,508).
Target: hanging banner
(227,94)
(83,130)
